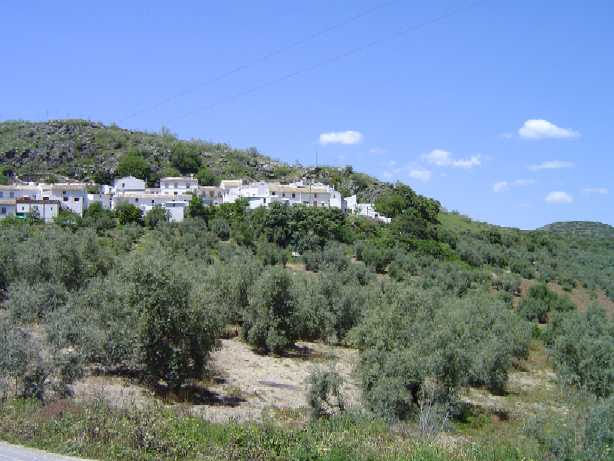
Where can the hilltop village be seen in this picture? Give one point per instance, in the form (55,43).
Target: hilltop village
(45,200)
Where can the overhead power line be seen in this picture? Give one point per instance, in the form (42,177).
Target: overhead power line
(260,59)
(338,57)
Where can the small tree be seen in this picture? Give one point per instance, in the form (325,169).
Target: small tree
(134,164)
(196,209)
(269,321)
(97,217)
(156,216)
(206,177)
(127,213)
(176,334)
(324,392)
(185,157)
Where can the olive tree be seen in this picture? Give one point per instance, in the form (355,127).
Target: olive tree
(269,321)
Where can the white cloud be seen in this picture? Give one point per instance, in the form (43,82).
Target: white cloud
(559,197)
(377,151)
(420,174)
(502,186)
(595,190)
(543,129)
(551,165)
(341,137)
(442,157)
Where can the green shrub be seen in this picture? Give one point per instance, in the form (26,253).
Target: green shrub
(541,301)
(413,338)
(31,303)
(582,349)
(324,392)
(133,164)
(176,331)
(156,217)
(128,214)
(269,320)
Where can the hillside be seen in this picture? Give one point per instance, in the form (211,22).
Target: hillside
(581,229)
(293,332)
(85,150)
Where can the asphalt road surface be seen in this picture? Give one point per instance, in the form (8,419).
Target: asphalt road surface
(16,453)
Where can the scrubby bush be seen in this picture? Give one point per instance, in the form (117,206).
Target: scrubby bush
(128,214)
(324,392)
(540,301)
(231,284)
(412,338)
(96,217)
(156,216)
(133,163)
(269,321)
(582,349)
(332,256)
(220,227)
(99,323)
(31,369)
(31,303)
(374,255)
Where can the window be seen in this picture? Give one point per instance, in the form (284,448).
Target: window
(315,195)
(211,193)
(123,185)
(273,193)
(76,199)
(283,194)
(293,195)
(136,200)
(3,210)
(152,202)
(11,194)
(1,194)
(65,199)
(175,185)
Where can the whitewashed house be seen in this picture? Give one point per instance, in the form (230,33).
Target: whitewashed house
(175,204)
(211,195)
(7,208)
(15,191)
(47,210)
(128,184)
(106,200)
(72,196)
(178,185)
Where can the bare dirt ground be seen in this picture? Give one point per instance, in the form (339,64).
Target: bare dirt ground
(243,384)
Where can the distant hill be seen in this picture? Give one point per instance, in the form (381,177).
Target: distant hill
(85,150)
(581,229)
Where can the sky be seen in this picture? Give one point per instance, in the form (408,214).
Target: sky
(501,110)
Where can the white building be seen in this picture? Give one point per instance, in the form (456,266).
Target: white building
(178,185)
(175,193)
(128,184)
(7,208)
(175,204)
(72,196)
(47,210)
(211,195)
(15,191)
(106,200)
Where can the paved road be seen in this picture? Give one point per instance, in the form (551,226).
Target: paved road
(16,453)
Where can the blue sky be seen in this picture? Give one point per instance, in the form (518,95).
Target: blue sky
(502,110)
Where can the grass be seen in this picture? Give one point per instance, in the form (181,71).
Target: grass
(161,433)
